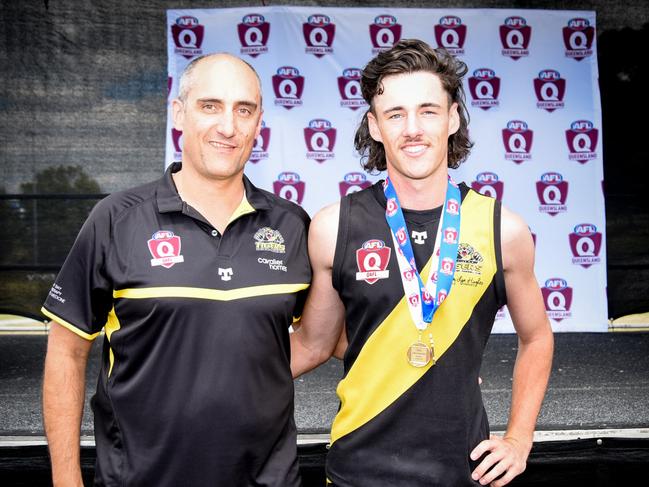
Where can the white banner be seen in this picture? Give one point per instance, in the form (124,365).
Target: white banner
(532,93)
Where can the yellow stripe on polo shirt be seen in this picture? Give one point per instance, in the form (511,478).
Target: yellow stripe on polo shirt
(209,294)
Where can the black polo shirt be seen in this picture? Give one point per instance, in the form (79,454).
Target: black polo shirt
(195,386)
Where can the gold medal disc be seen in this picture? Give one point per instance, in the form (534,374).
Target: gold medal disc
(419,355)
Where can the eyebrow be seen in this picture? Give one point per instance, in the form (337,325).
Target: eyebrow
(246,103)
(423,105)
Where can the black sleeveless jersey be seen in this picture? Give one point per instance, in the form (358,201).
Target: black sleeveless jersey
(399,424)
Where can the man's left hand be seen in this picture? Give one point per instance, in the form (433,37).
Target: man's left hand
(505,459)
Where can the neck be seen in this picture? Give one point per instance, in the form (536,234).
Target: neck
(214,199)
(420,194)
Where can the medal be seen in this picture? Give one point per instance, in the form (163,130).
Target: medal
(424,300)
(419,354)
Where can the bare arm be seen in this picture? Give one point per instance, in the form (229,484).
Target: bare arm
(322,320)
(533,361)
(63,398)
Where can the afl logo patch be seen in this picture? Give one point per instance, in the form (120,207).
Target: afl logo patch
(372,261)
(165,249)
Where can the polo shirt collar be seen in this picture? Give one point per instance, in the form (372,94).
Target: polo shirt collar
(169,200)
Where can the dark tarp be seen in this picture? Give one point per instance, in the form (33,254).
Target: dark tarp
(82,103)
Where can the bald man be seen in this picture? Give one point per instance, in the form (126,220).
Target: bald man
(194,280)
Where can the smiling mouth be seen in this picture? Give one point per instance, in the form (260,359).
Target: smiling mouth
(415,149)
(221,145)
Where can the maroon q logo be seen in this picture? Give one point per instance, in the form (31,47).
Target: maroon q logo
(176,137)
(582,141)
(557,296)
(578,38)
(253,32)
(552,192)
(517,138)
(260,149)
(288,85)
(385,32)
(450,34)
(320,138)
(488,184)
(484,86)
(187,34)
(289,187)
(349,86)
(353,182)
(550,89)
(585,244)
(319,35)
(515,37)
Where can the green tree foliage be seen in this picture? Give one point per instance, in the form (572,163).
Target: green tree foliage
(36,234)
(54,223)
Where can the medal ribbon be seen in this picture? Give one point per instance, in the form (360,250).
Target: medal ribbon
(423,300)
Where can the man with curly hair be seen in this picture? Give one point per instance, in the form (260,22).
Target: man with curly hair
(408,277)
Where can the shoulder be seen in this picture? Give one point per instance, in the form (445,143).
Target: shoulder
(516,239)
(326,219)
(278,203)
(116,204)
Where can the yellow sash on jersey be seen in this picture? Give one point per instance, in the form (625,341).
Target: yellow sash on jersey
(381,372)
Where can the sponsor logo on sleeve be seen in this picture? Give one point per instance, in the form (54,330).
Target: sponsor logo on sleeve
(385,32)
(187,34)
(320,138)
(484,86)
(585,244)
(165,249)
(349,86)
(552,191)
(557,296)
(288,85)
(550,88)
(260,149)
(515,37)
(578,38)
(319,34)
(56,292)
(517,138)
(289,187)
(353,182)
(372,260)
(582,141)
(488,184)
(450,34)
(253,35)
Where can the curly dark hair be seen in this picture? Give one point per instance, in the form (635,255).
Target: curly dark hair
(411,56)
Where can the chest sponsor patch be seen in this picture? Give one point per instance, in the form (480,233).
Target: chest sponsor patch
(164,246)
(269,240)
(372,260)
(469,266)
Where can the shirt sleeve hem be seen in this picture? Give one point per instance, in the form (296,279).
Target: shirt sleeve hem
(69,326)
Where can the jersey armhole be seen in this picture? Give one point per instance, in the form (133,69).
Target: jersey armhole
(341,241)
(501,291)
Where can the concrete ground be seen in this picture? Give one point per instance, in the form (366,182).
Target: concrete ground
(600,381)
